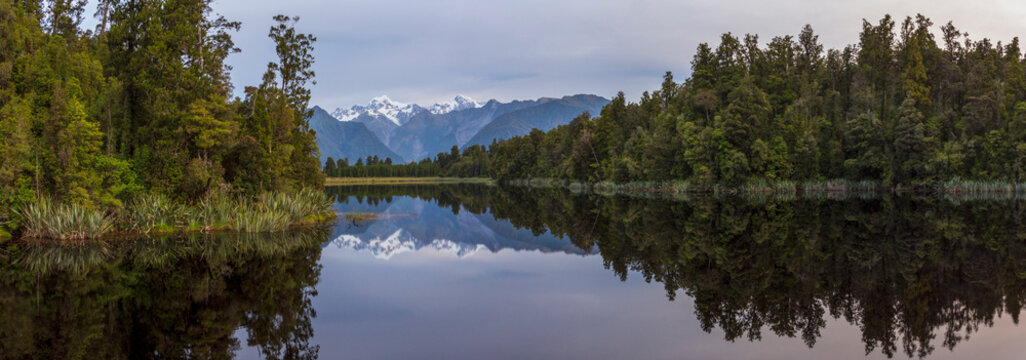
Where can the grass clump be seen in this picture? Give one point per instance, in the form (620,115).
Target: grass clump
(264,220)
(215,212)
(151,213)
(298,206)
(45,219)
(277,211)
(159,214)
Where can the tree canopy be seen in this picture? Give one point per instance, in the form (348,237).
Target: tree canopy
(143,103)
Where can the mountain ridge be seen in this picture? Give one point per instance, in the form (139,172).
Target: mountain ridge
(346,139)
(413,132)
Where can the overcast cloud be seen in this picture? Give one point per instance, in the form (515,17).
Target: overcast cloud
(426,51)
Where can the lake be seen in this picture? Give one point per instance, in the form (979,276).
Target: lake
(481,272)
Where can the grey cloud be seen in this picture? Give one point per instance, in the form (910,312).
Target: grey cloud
(426,51)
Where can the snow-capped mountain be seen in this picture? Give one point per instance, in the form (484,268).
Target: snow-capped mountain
(458,103)
(414,132)
(398,112)
(381,106)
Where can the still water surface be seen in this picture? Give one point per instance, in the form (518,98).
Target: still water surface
(452,272)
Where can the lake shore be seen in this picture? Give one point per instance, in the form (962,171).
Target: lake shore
(833,186)
(158,214)
(824,187)
(336,181)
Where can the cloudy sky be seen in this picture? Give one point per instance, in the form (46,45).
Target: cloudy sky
(426,51)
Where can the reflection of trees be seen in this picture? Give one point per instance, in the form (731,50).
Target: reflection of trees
(163,298)
(908,272)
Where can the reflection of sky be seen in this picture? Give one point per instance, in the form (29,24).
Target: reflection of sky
(512,304)
(521,305)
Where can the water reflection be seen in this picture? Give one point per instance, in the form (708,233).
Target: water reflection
(911,274)
(905,271)
(399,224)
(162,298)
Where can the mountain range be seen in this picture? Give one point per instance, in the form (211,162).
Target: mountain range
(347,139)
(410,132)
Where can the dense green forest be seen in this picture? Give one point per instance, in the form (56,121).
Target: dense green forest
(901,108)
(143,104)
(471,162)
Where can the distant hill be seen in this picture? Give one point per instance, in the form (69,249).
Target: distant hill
(547,115)
(347,139)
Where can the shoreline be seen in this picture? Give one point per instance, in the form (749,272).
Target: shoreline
(157,214)
(347,181)
(6,238)
(833,186)
(825,187)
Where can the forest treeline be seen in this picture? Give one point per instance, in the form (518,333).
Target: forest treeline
(143,104)
(473,161)
(902,107)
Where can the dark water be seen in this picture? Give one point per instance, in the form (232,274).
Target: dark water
(453,272)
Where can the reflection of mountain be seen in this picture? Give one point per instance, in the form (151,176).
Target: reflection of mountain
(400,242)
(410,224)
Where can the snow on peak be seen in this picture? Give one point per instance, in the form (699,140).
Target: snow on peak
(383,99)
(399,242)
(399,113)
(381,106)
(460,102)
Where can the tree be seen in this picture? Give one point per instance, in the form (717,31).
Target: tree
(910,146)
(330,167)
(295,61)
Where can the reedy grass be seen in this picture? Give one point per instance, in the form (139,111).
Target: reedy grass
(157,214)
(151,213)
(45,219)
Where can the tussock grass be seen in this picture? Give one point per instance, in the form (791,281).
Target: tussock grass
(158,214)
(266,220)
(45,219)
(151,213)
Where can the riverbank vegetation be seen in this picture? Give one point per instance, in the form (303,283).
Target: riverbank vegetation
(903,109)
(136,117)
(158,214)
(404,180)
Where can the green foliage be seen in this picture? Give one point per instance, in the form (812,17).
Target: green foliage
(143,105)
(45,219)
(890,111)
(274,211)
(897,111)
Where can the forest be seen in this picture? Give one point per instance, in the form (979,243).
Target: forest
(142,105)
(902,108)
